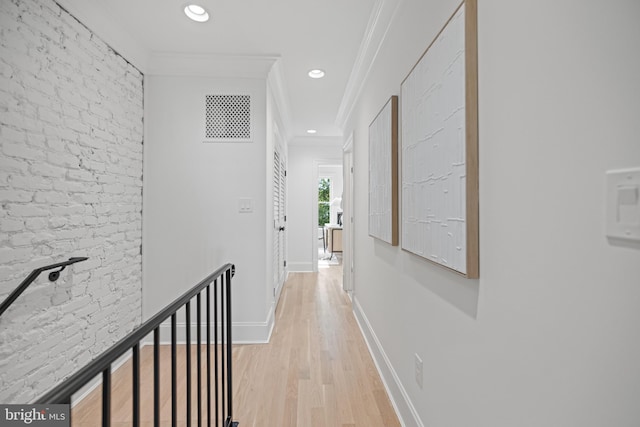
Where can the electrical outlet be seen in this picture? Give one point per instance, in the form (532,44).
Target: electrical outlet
(418,369)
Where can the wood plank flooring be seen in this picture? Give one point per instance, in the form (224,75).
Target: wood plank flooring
(316,370)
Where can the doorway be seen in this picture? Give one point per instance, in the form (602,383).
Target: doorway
(327,221)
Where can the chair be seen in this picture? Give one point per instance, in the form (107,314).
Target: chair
(321,236)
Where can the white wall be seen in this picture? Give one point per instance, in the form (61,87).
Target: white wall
(191,193)
(302,183)
(548,336)
(71,127)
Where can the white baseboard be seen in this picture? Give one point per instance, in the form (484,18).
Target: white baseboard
(241,332)
(301,267)
(254,332)
(400,400)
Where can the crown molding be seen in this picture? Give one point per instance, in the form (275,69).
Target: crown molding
(280,95)
(317,141)
(211,65)
(164,63)
(374,36)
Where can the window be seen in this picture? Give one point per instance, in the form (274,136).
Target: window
(324,201)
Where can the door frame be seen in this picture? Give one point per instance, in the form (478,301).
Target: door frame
(317,163)
(348,192)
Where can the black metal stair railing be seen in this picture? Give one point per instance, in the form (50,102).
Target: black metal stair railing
(53,276)
(222,396)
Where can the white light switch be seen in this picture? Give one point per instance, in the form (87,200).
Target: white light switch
(245,205)
(628,204)
(628,194)
(623,204)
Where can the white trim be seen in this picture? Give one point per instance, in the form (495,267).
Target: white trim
(397,394)
(375,34)
(241,332)
(347,222)
(348,145)
(211,65)
(325,142)
(300,267)
(276,80)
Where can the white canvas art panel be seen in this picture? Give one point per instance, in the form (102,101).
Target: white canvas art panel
(433,149)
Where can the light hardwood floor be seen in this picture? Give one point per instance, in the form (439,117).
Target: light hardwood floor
(315,371)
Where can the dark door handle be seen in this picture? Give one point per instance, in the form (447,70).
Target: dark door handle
(281,229)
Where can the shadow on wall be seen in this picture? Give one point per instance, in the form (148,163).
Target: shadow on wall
(621,243)
(458,291)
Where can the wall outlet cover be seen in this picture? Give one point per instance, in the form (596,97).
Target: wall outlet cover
(623,204)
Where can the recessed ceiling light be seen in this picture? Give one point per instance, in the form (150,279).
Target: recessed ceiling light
(196,13)
(316,74)
(311,131)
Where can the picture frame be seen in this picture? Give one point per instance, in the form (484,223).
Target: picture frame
(383,174)
(439,148)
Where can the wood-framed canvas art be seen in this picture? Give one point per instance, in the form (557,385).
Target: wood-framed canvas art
(383,174)
(439,148)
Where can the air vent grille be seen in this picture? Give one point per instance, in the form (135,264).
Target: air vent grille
(228,117)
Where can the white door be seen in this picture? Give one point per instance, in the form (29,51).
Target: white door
(279,222)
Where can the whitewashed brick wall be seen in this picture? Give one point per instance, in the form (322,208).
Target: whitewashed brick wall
(71,114)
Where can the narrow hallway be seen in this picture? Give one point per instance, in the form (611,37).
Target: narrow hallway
(317,370)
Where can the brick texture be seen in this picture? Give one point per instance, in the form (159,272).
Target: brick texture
(71,134)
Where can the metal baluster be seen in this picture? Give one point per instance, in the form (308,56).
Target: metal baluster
(174,376)
(215,346)
(188,354)
(222,359)
(223,344)
(106,397)
(208,356)
(199,357)
(136,385)
(229,349)
(156,377)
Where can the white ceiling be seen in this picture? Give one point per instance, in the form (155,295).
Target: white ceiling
(300,34)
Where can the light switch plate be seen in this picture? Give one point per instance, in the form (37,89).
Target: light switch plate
(245,205)
(623,204)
